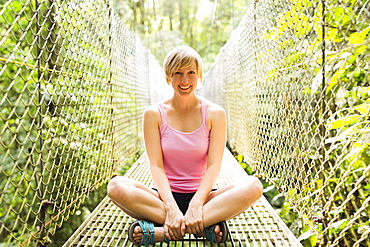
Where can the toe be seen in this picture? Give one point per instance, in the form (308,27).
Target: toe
(137,229)
(138,234)
(218,233)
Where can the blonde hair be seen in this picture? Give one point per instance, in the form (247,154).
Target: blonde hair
(181,57)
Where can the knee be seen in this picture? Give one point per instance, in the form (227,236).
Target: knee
(117,187)
(253,188)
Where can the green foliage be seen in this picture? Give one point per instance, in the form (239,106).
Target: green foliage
(277,200)
(78,217)
(203,24)
(346,95)
(43,112)
(53,124)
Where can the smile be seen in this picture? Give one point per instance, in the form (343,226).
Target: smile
(184,88)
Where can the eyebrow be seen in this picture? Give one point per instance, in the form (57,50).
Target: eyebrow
(189,68)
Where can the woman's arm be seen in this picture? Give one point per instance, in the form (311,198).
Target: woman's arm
(216,118)
(174,218)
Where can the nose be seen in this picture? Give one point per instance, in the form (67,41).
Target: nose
(183,78)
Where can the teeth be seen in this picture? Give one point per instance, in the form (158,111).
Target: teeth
(184,88)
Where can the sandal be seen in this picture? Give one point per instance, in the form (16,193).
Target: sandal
(210,232)
(148,233)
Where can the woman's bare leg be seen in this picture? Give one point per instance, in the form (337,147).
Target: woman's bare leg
(136,199)
(241,195)
(140,202)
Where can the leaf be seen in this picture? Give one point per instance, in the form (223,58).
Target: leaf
(306,235)
(352,130)
(343,15)
(339,225)
(358,38)
(316,82)
(277,197)
(344,121)
(353,154)
(332,35)
(268,189)
(363,108)
(363,229)
(240,158)
(335,78)
(243,165)
(360,49)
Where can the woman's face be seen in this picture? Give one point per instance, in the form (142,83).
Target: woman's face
(185,80)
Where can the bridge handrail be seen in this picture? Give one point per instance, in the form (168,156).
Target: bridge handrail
(294,80)
(74,84)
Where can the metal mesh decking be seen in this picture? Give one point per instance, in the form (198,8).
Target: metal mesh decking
(257,226)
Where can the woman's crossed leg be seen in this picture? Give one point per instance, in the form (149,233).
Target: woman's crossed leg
(143,203)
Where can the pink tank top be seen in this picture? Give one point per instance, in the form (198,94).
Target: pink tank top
(185,155)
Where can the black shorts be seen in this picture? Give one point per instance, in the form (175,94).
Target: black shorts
(183,200)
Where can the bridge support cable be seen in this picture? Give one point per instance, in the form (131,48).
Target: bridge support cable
(294,79)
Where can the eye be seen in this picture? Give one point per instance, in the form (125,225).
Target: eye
(191,72)
(177,73)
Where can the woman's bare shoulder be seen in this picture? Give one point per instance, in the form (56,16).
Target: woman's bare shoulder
(152,108)
(214,108)
(152,113)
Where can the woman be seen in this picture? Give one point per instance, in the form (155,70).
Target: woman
(185,138)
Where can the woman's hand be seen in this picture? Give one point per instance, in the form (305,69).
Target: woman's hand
(174,225)
(194,218)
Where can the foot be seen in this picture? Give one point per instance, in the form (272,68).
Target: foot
(158,234)
(218,233)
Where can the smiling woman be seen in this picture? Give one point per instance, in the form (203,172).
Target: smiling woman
(180,58)
(185,139)
(185,78)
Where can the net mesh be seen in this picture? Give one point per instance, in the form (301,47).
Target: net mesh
(294,80)
(74,84)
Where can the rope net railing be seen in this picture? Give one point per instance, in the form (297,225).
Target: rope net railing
(74,83)
(294,79)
